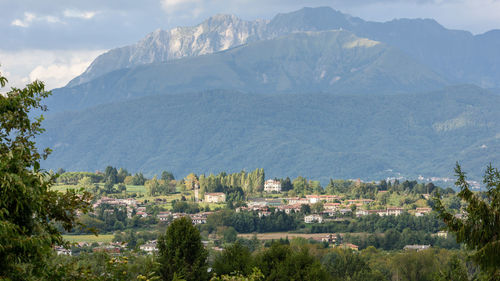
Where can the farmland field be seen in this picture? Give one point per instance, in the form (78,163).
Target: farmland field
(89,238)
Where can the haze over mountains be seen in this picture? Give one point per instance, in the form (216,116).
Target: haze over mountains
(314,92)
(455,54)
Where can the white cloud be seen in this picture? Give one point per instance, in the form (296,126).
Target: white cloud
(54,67)
(190,6)
(29,18)
(86,15)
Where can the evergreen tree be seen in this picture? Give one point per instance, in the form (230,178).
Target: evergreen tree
(480,227)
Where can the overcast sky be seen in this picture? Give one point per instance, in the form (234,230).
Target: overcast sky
(55,40)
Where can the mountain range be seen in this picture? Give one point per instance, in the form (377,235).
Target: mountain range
(455,54)
(313,92)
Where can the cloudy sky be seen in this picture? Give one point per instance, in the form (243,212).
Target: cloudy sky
(55,40)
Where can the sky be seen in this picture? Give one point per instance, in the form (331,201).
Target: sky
(55,40)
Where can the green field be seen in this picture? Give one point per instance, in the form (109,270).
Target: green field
(136,189)
(89,238)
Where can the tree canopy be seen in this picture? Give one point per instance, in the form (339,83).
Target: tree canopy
(181,252)
(479,225)
(29,210)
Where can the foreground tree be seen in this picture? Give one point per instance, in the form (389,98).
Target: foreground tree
(181,253)
(235,258)
(29,210)
(480,227)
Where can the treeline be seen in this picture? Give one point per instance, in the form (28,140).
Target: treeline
(358,189)
(397,240)
(377,224)
(181,253)
(248,222)
(249,182)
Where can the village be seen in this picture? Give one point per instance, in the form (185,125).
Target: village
(311,209)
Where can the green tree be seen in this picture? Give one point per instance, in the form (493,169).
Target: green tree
(305,209)
(229,234)
(317,207)
(167,176)
(181,252)
(152,186)
(256,275)
(235,258)
(29,210)
(480,227)
(86,183)
(122,174)
(343,264)
(281,262)
(111,174)
(413,265)
(453,270)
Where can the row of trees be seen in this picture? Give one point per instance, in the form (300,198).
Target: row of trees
(430,223)
(248,222)
(250,182)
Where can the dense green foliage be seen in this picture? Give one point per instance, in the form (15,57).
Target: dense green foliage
(479,228)
(29,210)
(250,182)
(235,258)
(281,262)
(248,222)
(375,223)
(181,253)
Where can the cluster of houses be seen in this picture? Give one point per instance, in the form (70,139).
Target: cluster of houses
(199,218)
(110,248)
(129,203)
(332,206)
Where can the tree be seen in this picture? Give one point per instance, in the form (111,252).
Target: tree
(138,179)
(152,186)
(167,176)
(229,234)
(111,175)
(305,209)
(286,184)
(181,253)
(453,270)
(256,275)
(281,262)
(317,207)
(235,258)
(191,181)
(480,227)
(29,210)
(85,183)
(414,265)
